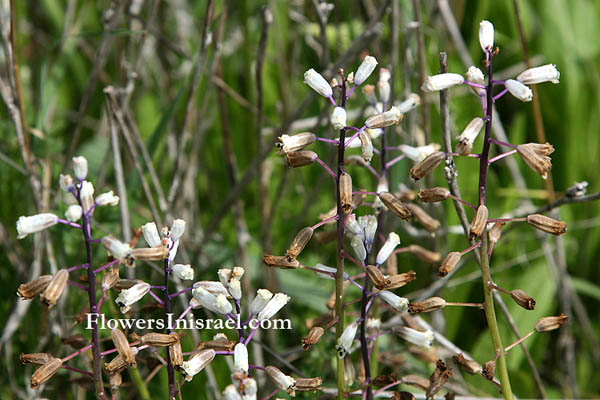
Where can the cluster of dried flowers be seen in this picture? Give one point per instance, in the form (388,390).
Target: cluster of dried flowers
(376,261)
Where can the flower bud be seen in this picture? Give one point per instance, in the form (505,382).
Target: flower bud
(359,248)
(545,73)
(365,69)
(345,187)
(418,338)
(518,90)
(35,223)
(369,225)
(316,81)
(107,199)
(344,342)
(441,82)
(87,195)
(276,303)
(366,146)
(395,205)
(177,229)
(338,118)
(398,303)
(288,144)
(427,256)
(122,346)
(149,253)
(523,299)
(55,288)
(65,182)
(391,117)
(240,358)
(486,36)
(73,213)
(185,272)
(260,300)
(547,224)
(425,167)
(430,224)
(151,235)
(282,262)
(467,137)
(449,263)
(313,337)
(300,241)
(80,166)
(433,195)
(283,381)
(479,221)
(35,358)
(427,305)
(30,290)
(196,363)
(536,157)
(384,90)
(302,158)
(550,323)
(399,280)
(352,226)
(45,372)
(388,247)
(470,366)
(376,276)
(475,75)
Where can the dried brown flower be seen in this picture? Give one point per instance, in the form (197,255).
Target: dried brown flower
(282,262)
(379,280)
(479,222)
(159,339)
(427,305)
(300,241)
(395,205)
(400,280)
(536,157)
(122,346)
(345,186)
(76,341)
(470,366)
(523,299)
(150,253)
(547,224)
(110,279)
(488,370)
(425,167)
(449,263)
(313,337)
(302,158)
(308,384)
(391,265)
(55,288)
(433,195)
(115,380)
(417,381)
(45,372)
(550,323)
(495,232)
(29,290)
(176,354)
(429,223)
(35,358)
(439,377)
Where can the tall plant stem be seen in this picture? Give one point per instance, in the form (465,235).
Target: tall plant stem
(167,301)
(339,276)
(490,313)
(364,346)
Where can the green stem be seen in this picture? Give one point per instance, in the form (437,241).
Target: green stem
(139,383)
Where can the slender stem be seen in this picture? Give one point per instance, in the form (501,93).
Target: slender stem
(158,299)
(507,220)
(326,167)
(501,156)
(486,277)
(320,223)
(110,264)
(76,267)
(332,141)
(393,160)
(518,341)
(451,196)
(468,249)
(363,340)
(77,285)
(72,224)
(496,141)
(78,370)
(476,305)
(502,93)
(172,295)
(167,307)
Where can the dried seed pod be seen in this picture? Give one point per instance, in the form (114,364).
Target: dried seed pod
(427,305)
(470,366)
(29,290)
(400,280)
(110,279)
(150,253)
(438,378)
(479,222)
(384,380)
(122,346)
(282,262)
(124,284)
(391,117)
(220,344)
(430,257)
(404,193)
(115,380)
(547,224)
(429,223)
(433,195)
(417,381)
(391,265)
(300,241)
(395,205)
(159,339)
(118,363)
(313,337)
(45,372)
(425,167)
(35,358)
(345,187)
(308,384)
(176,354)
(495,232)
(536,157)
(76,341)
(449,263)
(550,323)
(302,158)
(522,299)
(376,276)
(488,370)
(429,355)
(55,288)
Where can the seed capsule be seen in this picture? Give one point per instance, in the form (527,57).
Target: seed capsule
(495,232)
(115,380)
(438,378)
(122,346)
(30,290)
(110,279)
(282,262)
(391,117)
(45,372)
(536,157)
(308,384)
(523,299)
(488,370)
(433,195)
(376,276)
(313,337)
(547,224)
(425,167)
(479,222)
(470,366)
(417,381)
(395,205)
(150,253)
(118,363)
(220,344)
(366,146)
(176,354)
(123,284)
(159,339)
(345,187)
(55,288)
(550,323)
(429,223)
(400,280)
(391,265)
(427,305)
(302,158)
(430,257)
(449,263)
(35,358)
(300,241)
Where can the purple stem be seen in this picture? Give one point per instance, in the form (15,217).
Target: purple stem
(158,299)
(318,224)
(158,287)
(363,339)
(167,307)
(332,141)
(358,131)
(372,337)
(76,267)
(351,91)
(110,264)
(184,313)
(326,167)
(77,285)
(181,292)
(502,93)
(250,336)
(501,156)
(101,299)
(349,257)
(267,397)
(394,161)
(224,353)
(358,285)
(256,367)
(78,352)
(72,224)
(332,101)
(468,249)
(462,201)
(77,370)
(495,141)
(475,85)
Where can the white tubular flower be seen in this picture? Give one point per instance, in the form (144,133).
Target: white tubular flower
(283,381)
(205,298)
(240,358)
(384,89)
(288,143)
(365,69)
(80,166)
(345,340)
(486,35)
(231,393)
(87,195)
(316,81)
(338,118)
(151,235)
(235,288)
(374,133)
(397,302)
(545,73)
(35,223)
(224,276)
(130,296)
(177,229)
(366,146)
(73,213)
(359,248)
(353,226)
(260,301)
(411,102)
(370,227)
(519,90)
(250,389)
(276,303)
(441,81)
(387,248)
(185,272)
(173,250)
(107,199)
(213,287)
(418,154)
(65,182)
(475,75)
(391,117)
(330,271)
(115,247)
(467,137)
(422,339)
(197,363)
(222,305)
